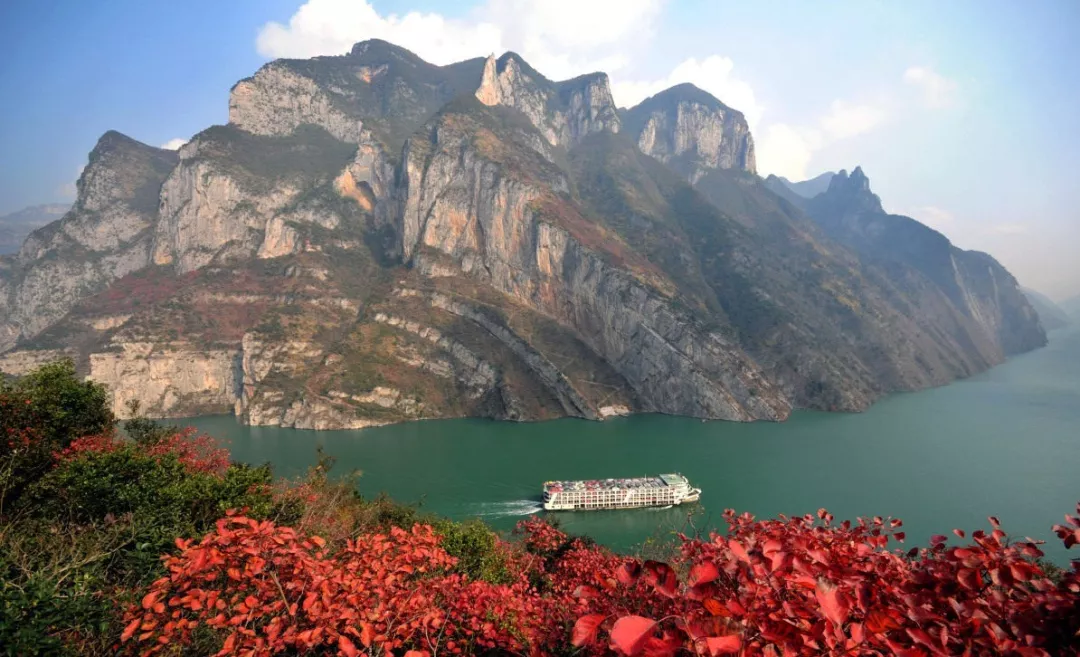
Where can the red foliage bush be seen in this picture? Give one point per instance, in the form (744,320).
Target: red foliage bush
(803,586)
(798,586)
(198,453)
(270,591)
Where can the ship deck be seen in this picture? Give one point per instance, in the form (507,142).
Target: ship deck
(631,483)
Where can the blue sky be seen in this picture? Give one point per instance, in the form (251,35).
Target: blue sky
(963,113)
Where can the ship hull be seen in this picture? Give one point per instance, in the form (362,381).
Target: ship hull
(592,506)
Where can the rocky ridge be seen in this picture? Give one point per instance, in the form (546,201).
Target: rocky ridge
(374,239)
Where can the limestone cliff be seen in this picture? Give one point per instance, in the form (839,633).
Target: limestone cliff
(104,236)
(236,195)
(475,193)
(564,112)
(692,132)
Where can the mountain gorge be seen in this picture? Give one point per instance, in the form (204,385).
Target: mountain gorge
(373,238)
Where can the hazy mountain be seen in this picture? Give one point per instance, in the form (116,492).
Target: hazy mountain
(16,226)
(809,188)
(1071,307)
(373,238)
(1052,316)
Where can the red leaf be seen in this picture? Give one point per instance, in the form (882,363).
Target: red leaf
(834,605)
(367,634)
(878,621)
(149,599)
(585,630)
(628,572)
(723,645)
(703,573)
(714,607)
(346,646)
(417,653)
(739,551)
(129,631)
(629,634)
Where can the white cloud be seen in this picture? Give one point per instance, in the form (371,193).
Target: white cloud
(174,144)
(713,74)
(787,150)
(602,36)
(1008,229)
(936,90)
(847,120)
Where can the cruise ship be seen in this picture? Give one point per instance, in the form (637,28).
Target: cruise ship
(663,490)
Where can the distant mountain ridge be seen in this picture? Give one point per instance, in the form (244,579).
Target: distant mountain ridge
(811,187)
(14,227)
(1052,316)
(373,238)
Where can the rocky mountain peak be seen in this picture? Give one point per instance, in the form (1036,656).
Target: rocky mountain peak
(851,193)
(564,112)
(691,131)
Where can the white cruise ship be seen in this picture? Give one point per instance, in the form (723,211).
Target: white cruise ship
(664,490)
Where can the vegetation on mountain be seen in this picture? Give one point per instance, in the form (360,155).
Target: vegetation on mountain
(148,541)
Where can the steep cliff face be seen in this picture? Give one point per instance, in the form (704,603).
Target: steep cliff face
(998,321)
(692,132)
(236,195)
(475,192)
(564,112)
(104,236)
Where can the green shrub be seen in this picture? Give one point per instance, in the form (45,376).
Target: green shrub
(161,495)
(474,545)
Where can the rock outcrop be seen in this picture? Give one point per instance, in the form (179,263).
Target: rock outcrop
(564,112)
(692,132)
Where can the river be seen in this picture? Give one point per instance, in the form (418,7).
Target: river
(1004,443)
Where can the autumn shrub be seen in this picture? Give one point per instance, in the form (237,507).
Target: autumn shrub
(40,414)
(807,586)
(269,590)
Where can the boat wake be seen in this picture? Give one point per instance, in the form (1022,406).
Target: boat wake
(507,509)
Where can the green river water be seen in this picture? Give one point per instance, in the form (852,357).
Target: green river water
(1005,443)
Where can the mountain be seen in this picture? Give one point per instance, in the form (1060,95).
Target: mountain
(691,131)
(812,187)
(984,304)
(1071,307)
(1052,316)
(16,226)
(373,238)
